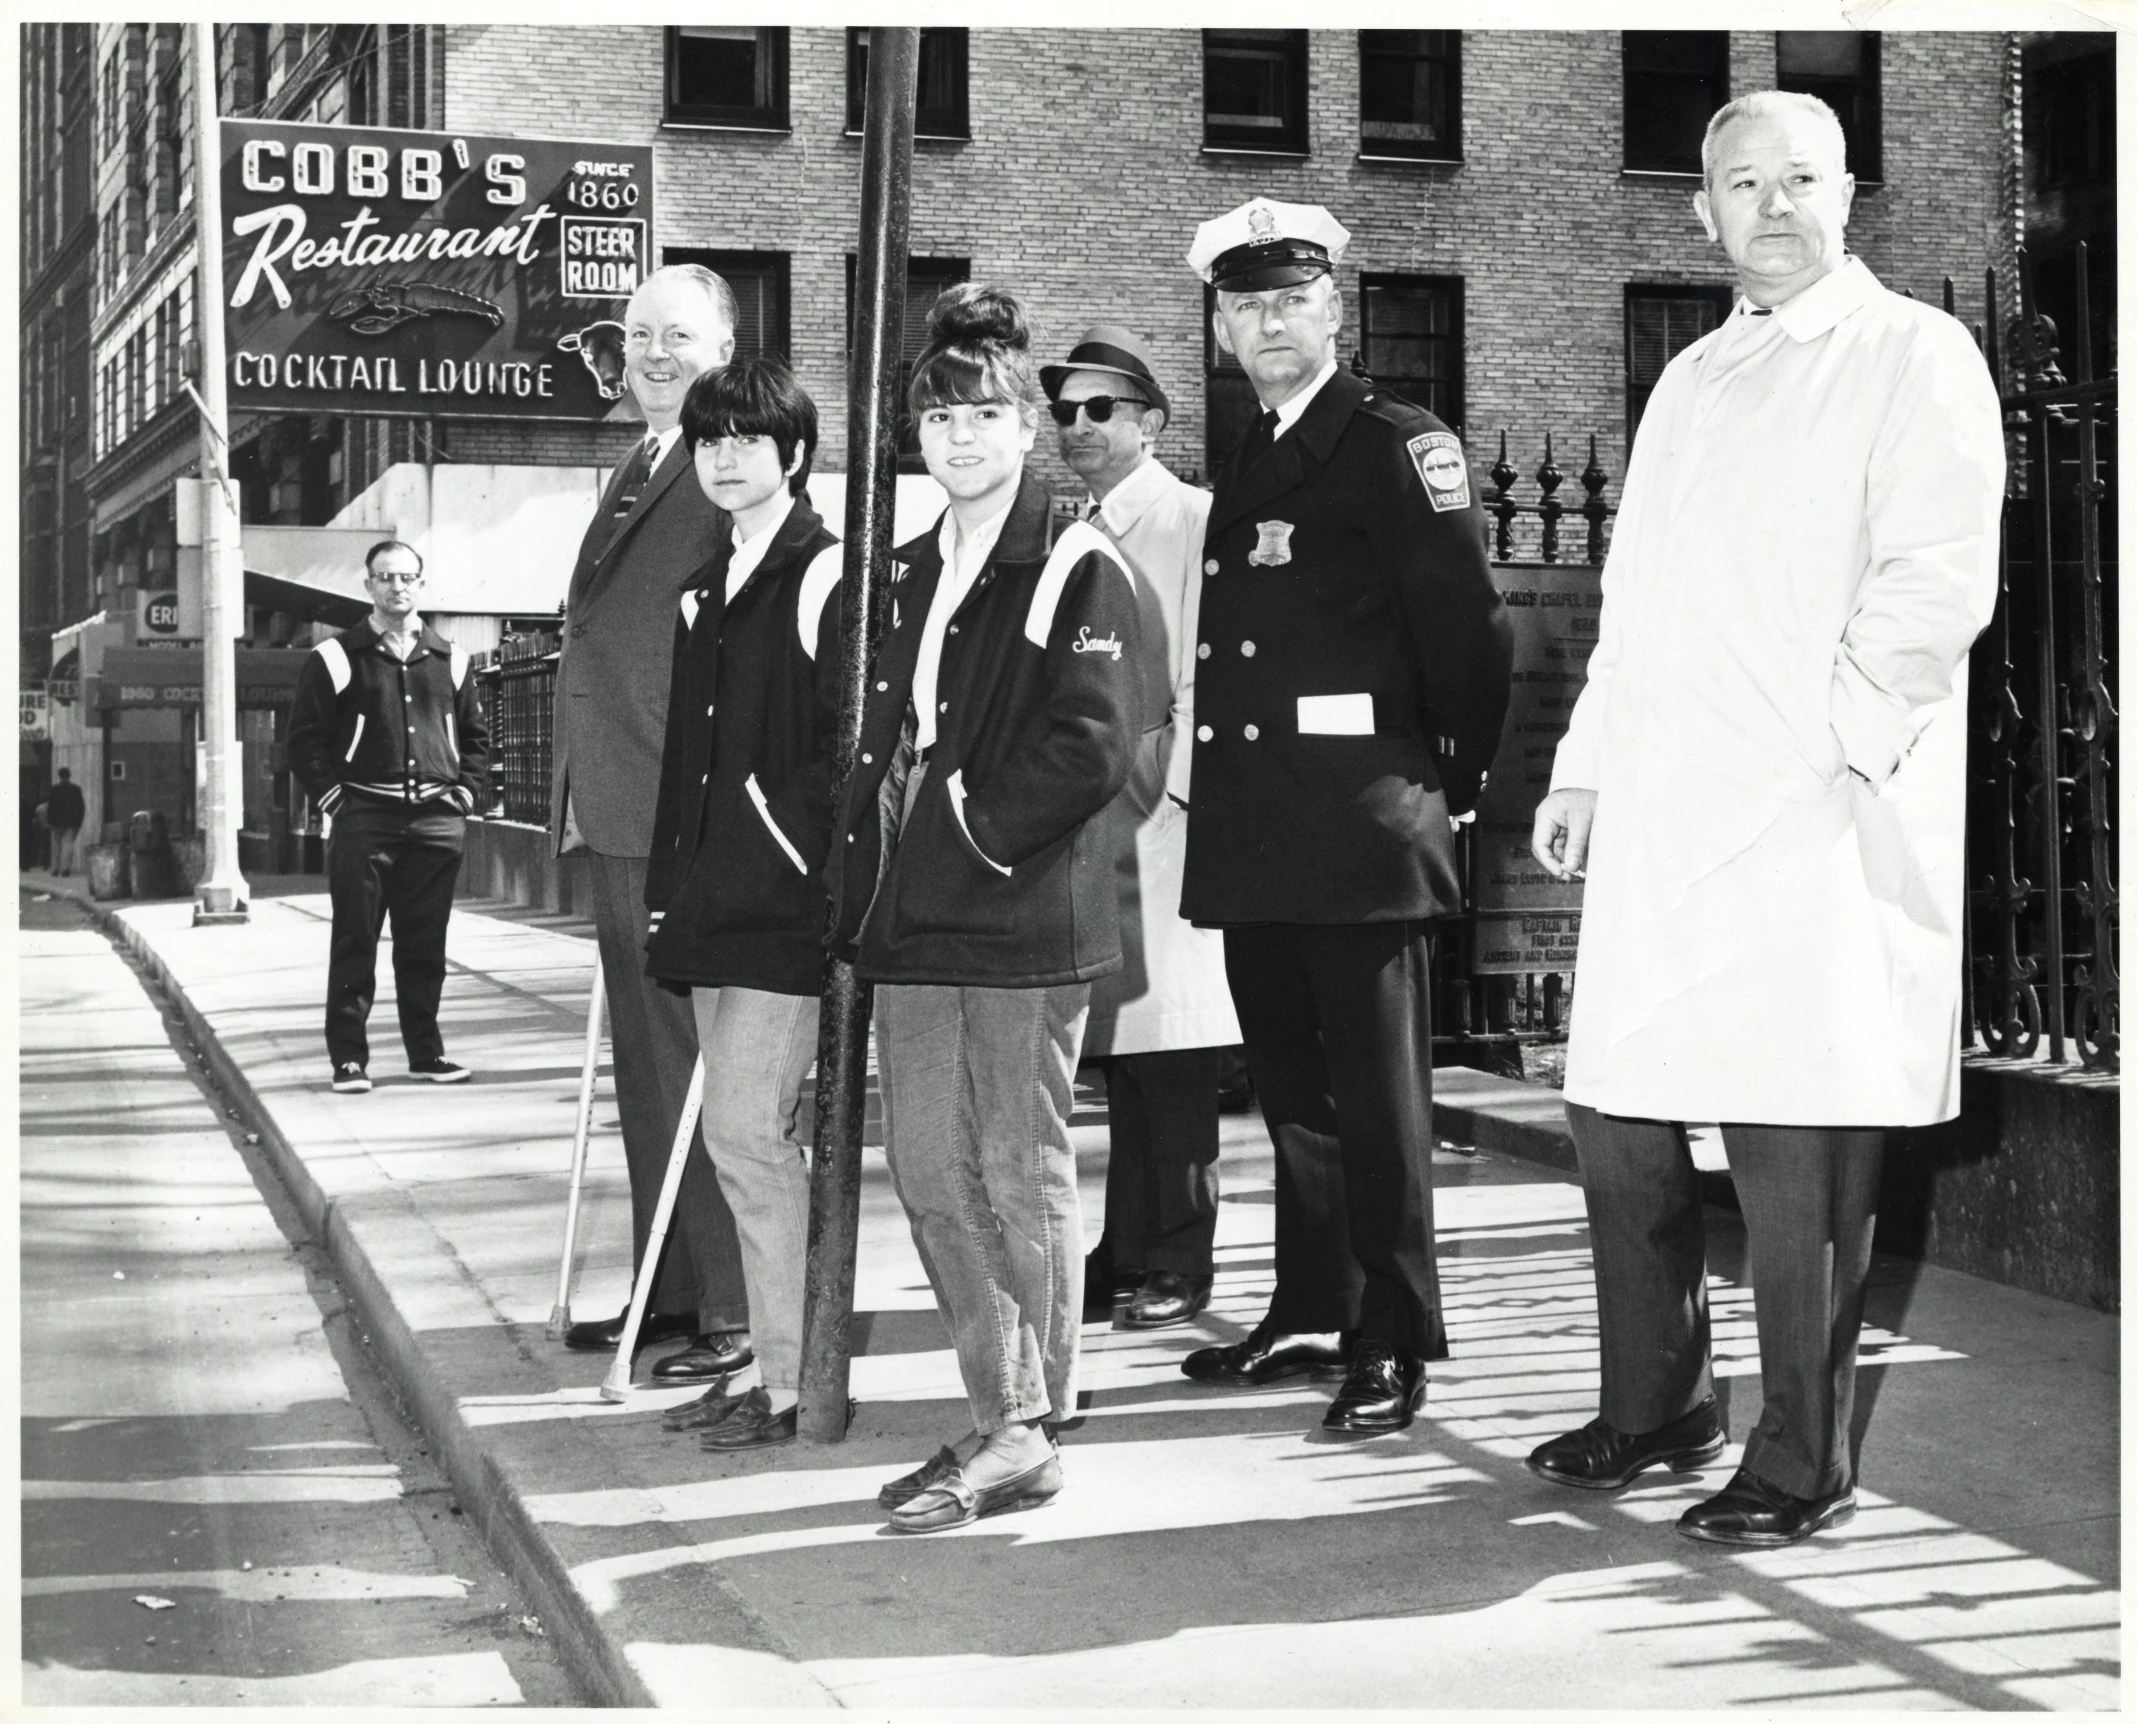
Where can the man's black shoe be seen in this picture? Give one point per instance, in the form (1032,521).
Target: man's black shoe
(604,1336)
(1165,1299)
(1750,1511)
(438,1069)
(351,1078)
(1600,1457)
(1267,1357)
(707,1359)
(709,1409)
(753,1425)
(1385,1388)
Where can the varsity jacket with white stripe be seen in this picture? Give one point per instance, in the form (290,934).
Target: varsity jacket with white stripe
(366,724)
(1002,875)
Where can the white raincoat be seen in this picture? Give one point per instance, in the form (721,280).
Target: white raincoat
(1171,993)
(1806,550)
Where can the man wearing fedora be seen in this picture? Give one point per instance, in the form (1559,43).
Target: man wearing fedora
(1351,680)
(1160,1023)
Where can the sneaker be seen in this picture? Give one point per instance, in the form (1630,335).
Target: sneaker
(439,1071)
(350,1078)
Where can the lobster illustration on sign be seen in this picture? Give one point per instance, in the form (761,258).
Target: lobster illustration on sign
(600,349)
(380,306)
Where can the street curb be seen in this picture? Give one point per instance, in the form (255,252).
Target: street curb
(500,1515)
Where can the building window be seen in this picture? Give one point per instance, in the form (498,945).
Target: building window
(1410,94)
(727,75)
(1840,68)
(2072,111)
(759,280)
(1254,90)
(1660,323)
(1410,339)
(925,280)
(942,109)
(1675,80)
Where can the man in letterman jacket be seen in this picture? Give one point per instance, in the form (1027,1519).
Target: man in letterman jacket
(387,737)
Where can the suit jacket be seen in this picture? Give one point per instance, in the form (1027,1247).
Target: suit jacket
(612,680)
(1351,673)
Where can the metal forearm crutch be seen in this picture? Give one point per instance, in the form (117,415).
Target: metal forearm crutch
(560,1312)
(617,1384)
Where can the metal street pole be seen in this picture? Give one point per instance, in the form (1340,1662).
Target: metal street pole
(222,895)
(871,492)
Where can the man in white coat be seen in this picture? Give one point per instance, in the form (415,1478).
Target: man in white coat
(1159,1024)
(1763,781)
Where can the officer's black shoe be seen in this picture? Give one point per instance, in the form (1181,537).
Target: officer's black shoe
(1385,1388)
(1165,1299)
(1750,1511)
(707,1359)
(603,1337)
(1600,1457)
(1268,1357)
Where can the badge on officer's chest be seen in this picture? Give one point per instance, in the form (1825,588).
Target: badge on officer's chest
(1275,546)
(1444,469)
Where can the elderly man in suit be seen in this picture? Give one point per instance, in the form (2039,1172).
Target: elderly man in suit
(654,528)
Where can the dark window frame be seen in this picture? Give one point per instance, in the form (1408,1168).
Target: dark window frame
(942,273)
(768,116)
(1452,410)
(2077,145)
(1448,146)
(1861,104)
(1285,134)
(776,267)
(1720,297)
(1649,86)
(940,122)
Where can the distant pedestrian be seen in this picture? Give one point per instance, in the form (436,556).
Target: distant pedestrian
(1159,1024)
(1764,784)
(64,812)
(387,737)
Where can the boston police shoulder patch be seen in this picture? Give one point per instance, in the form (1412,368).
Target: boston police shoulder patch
(1443,467)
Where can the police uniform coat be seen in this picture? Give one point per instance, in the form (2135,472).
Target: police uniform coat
(1170,991)
(1353,660)
(1806,550)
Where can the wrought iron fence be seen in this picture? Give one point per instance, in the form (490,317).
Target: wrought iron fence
(2043,903)
(520,693)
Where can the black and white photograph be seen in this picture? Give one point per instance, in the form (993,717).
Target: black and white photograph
(1097,862)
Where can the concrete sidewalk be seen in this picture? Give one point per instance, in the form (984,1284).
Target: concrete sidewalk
(1211,1548)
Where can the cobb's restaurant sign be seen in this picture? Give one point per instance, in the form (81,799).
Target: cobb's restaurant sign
(429,274)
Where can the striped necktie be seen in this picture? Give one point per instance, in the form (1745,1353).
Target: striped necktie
(635,474)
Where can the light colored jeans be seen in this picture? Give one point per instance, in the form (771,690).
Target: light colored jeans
(977,1091)
(758,1047)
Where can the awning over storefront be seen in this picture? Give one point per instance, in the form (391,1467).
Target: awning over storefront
(171,676)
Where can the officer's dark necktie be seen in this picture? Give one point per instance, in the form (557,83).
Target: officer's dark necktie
(636,472)
(1259,441)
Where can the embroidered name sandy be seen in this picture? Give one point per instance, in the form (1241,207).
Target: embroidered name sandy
(1085,641)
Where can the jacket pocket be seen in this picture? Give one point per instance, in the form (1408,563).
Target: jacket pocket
(356,738)
(764,813)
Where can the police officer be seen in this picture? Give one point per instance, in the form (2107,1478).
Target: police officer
(1351,682)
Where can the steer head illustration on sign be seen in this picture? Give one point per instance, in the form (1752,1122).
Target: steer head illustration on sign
(600,348)
(379,306)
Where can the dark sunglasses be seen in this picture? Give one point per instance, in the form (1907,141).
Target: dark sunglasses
(1099,407)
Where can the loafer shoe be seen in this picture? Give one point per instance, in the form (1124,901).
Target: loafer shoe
(606,1335)
(926,1476)
(439,1070)
(1268,1357)
(1165,1298)
(1600,1457)
(953,1501)
(1750,1511)
(1385,1388)
(752,1425)
(709,1409)
(351,1078)
(707,1359)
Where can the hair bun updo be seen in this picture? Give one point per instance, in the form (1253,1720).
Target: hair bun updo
(978,350)
(972,314)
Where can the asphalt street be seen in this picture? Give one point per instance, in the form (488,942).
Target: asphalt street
(221,1500)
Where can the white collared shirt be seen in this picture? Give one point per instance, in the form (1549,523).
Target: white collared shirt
(1288,414)
(662,442)
(961,566)
(748,553)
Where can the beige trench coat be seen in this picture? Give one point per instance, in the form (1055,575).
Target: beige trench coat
(1806,550)
(1171,993)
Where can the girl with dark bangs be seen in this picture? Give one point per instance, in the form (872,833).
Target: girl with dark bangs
(973,881)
